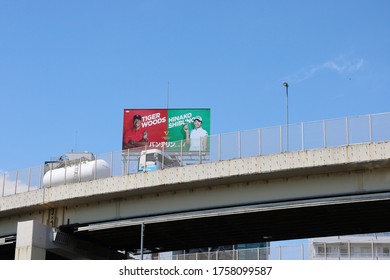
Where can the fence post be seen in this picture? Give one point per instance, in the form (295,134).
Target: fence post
(200,150)
(239,143)
(281,138)
(326,251)
(145,159)
(16,181)
(29,179)
(280,252)
(324,132)
(128,162)
(2,193)
(219,147)
(65,171)
(259,136)
(80,171)
(142,240)
(347,130)
(162,157)
(349,249)
(40,176)
(370,126)
(181,152)
(95,167)
(303,135)
(112,164)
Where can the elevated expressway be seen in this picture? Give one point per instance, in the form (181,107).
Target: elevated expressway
(323,192)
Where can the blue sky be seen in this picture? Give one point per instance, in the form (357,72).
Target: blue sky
(69,68)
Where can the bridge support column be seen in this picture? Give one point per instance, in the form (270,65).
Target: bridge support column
(31,239)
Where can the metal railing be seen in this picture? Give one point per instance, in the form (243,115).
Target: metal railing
(262,141)
(374,246)
(288,252)
(295,251)
(352,256)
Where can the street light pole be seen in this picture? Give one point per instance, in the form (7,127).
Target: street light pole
(285,84)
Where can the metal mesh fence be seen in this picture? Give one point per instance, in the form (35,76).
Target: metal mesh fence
(241,144)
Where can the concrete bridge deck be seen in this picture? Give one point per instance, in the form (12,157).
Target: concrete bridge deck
(330,191)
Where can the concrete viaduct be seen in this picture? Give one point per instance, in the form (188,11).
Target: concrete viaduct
(291,195)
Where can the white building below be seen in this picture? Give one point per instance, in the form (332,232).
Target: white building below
(351,247)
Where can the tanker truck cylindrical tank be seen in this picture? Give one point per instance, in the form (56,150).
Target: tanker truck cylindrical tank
(82,172)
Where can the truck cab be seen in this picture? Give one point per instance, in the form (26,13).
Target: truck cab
(155,159)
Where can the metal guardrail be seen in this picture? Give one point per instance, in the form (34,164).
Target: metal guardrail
(262,141)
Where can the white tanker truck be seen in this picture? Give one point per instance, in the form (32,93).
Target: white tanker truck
(73,168)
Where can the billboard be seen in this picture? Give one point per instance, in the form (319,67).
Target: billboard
(168,129)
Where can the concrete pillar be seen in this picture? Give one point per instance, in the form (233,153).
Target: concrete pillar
(31,239)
